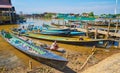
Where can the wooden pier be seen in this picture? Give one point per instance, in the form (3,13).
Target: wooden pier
(105,31)
(99,32)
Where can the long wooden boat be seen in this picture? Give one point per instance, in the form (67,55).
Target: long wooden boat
(40,44)
(61,32)
(50,27)
(69,40)
(56,25)
(51,30)
(37,53)
(66,25)
(75,33)
(55,29)
(55,32)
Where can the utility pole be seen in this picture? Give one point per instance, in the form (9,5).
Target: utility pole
(116,7)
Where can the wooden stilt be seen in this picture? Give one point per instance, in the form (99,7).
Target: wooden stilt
(117,26)
(10,15)
(58,22)
(96,31)
(119,45)
(70,24)
(108,29)
(63,23)
(87,30)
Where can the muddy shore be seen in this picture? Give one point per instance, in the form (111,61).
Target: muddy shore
(75,54)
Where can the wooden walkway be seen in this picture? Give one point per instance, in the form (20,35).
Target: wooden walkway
(99,32)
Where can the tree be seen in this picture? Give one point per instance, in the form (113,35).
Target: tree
(91,14)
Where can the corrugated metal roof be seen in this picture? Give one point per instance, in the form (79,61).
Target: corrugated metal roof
(5,2)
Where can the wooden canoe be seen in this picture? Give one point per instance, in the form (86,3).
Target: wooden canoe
(38,53)
(69,40)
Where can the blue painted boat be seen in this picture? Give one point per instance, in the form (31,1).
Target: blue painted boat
(77,33)
(47,29)
(62,32)
(116,43)
(38,53)
(55,32)
(56,29)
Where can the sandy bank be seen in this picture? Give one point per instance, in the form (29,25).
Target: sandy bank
(109,65)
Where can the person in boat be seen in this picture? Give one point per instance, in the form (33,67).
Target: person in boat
(23,30)
(54,46)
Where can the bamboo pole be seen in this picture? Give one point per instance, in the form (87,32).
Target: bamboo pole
(3,69)
(93,51)
(66,55)
(30,65)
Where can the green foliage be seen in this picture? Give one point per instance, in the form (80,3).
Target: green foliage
(48,15)
(117,14)
(21,17)
(108,15)
(91,14)
(96,16)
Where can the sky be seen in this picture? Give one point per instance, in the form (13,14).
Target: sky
(66,6)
